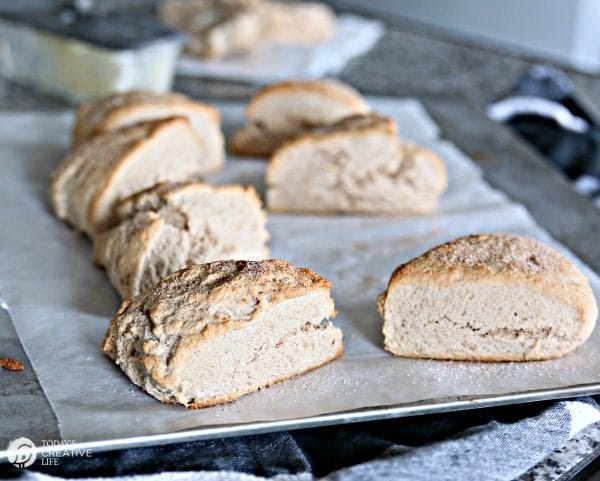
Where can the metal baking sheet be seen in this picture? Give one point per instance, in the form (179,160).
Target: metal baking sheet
(60,305)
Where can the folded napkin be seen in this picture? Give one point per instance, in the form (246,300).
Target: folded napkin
(271,62)
(544,109)
(500,449)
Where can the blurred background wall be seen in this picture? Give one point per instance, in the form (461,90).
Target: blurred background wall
(565,31)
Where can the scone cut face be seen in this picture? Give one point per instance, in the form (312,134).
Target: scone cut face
(357,165)
(282,111)
(487,297)
(172,225)
(122,110)
(96,175)
(210,333)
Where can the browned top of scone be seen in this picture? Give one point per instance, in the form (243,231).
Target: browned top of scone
(501,258)
(113,101)
(332,89)
(357,123)
(163,194)
(92,117)
(190,300)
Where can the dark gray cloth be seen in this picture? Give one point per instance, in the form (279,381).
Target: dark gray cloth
(491,444)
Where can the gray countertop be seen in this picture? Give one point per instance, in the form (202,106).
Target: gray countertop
(454,80)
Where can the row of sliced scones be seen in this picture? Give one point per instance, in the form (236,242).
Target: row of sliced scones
(357,164)
(329,154)
(130,183)
(129,142)
(211,333)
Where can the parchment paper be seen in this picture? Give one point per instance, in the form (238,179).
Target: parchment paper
(271,62)
(60,304)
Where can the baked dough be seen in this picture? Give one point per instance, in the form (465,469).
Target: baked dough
(220,28)
(215,28)
(284,110)
(487,297)
(356,165)
(125,109)
(211,333)
(296,22)
(171,226)
(97,174)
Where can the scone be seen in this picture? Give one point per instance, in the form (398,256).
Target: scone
(282,111)
(489,297)
(171,226)
(97,174)
(356,165)
(211,333)
(125,109)
(296,22)
(215,28)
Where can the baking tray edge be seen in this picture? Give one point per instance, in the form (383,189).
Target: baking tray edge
(377,413)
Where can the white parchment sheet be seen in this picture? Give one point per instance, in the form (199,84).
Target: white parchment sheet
(60,303)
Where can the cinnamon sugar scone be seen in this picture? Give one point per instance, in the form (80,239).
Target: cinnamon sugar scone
(282,111)
(97,174)
(125,109)
(211,333)
(215,28)
(171,226)
(218,28)
(356,165)
(296,22)
(487,297)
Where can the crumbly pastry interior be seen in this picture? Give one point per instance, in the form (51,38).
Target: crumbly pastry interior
(479,322)
(98,174)
(356,165)
(171,226)
(280,112)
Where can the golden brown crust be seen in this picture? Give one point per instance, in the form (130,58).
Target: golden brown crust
(96,117)
(500,258)
(358,123)
(272,280)
(488,358)
(239,146)
(329,88)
